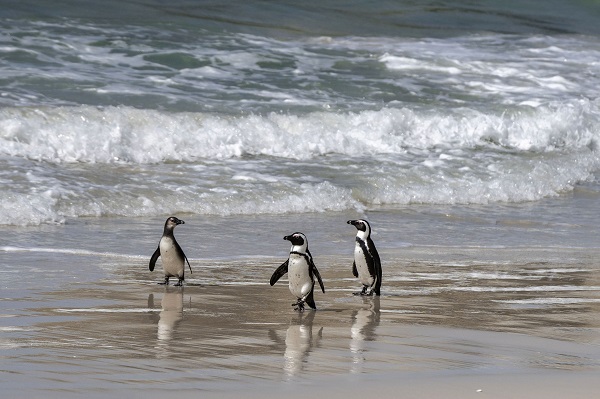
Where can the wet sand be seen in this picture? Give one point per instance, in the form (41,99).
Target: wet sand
(452,323)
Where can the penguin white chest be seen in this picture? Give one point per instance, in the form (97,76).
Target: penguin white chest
(360,260)
(171,260)
(300,281)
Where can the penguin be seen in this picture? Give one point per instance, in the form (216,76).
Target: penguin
(301,272)
(173,258)
(367,265)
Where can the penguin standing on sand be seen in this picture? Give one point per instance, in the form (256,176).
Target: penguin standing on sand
(301,272)
(173,258)
(366,266)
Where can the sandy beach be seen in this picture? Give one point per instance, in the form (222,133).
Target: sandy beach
(452,322)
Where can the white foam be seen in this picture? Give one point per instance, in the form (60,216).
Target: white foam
(68,251)
(107,310)
(121,134)
(549,301)
(154,162)
(541,288)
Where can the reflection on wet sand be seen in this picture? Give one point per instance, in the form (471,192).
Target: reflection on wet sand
(299,341)
(364,324)
(170,315)
(433,316)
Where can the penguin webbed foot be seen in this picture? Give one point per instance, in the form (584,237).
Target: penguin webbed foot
(299,306)
(363,292)
(179,284)
(166,282)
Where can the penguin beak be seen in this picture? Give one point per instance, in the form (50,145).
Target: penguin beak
(352,222)
(287,238)
(179,221)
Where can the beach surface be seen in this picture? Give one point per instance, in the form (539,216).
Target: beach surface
(452,321)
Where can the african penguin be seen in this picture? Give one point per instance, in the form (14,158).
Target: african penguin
(366,266)
(301,272)
(173,258)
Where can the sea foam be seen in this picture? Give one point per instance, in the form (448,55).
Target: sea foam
(122,134)
(66,162)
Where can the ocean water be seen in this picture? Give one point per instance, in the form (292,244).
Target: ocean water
(466,132)
(135,109)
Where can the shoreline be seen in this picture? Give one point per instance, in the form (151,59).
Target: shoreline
(451,320)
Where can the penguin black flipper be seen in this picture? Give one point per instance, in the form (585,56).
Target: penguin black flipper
(310,300)
(154,258)
(188,262)
(354,270)
(182,254)
(280,271)
(314,271)
(376,266)
(367,249)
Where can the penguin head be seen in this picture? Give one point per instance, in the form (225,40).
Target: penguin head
(361,225)
(298,240)
(172,222)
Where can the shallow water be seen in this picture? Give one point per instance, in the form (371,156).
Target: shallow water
(81,319)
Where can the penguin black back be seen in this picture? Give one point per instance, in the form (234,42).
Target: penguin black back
(301,271)
(173,257)
(367,265)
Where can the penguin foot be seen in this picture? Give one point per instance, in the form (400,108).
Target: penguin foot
(299,306)
(363,292)
(166,282)
(179,284)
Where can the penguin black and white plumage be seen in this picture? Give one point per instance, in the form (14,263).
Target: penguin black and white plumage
(367,265)
(173,258)
(301,272)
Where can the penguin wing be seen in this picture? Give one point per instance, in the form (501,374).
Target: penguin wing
(354,271)
(280,271)
(154,258)
(314,271)
(376,265)
(369,252)
(310,299)
(182,254)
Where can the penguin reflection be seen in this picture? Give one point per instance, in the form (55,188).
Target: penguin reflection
(299,341)
(170,315)
(364,324)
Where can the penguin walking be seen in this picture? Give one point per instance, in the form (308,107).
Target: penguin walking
(301,272)
(173,258)
(367,265)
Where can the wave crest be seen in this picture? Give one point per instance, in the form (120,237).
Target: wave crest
(122,134)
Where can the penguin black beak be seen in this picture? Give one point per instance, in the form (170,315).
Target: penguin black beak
(287,238)
(352,222)
(179,221)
